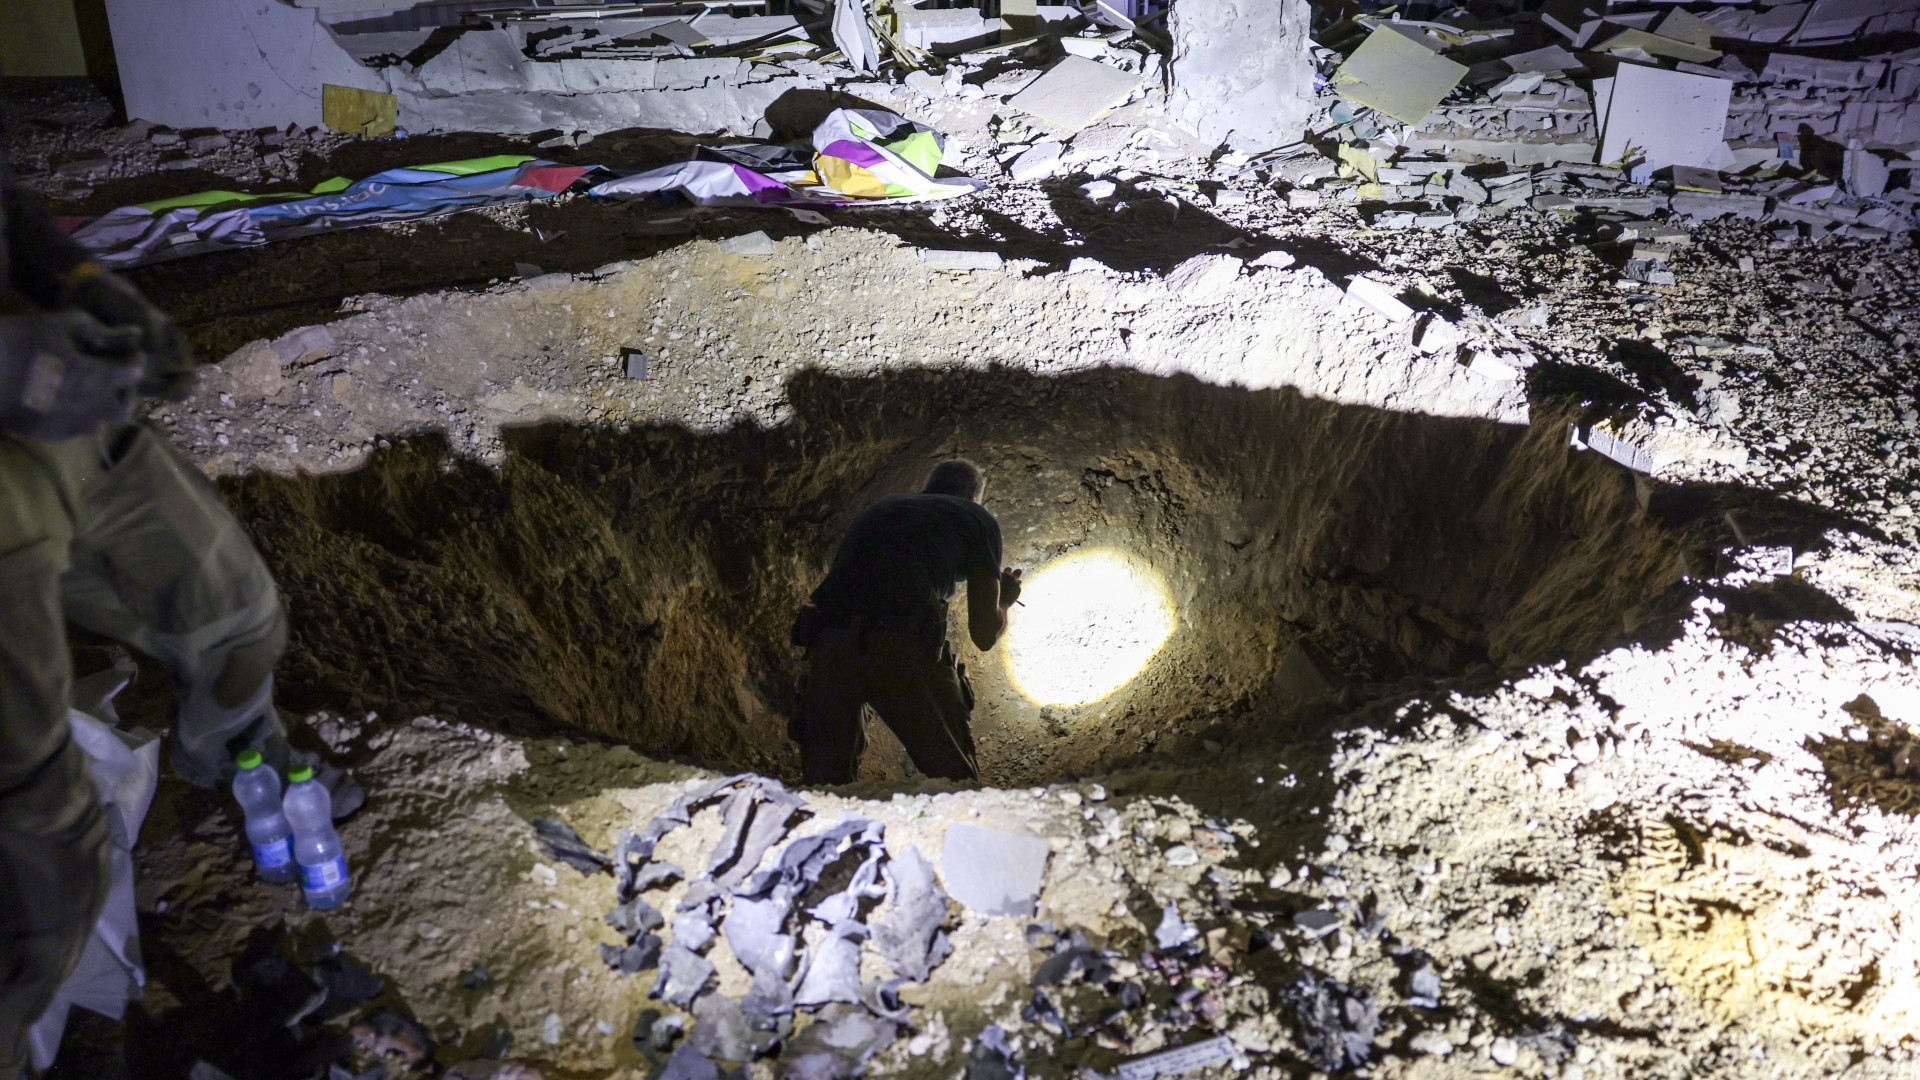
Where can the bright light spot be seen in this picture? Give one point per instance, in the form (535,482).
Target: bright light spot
(1090,623)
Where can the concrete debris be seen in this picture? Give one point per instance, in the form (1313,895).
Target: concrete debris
(1379,299)
(1397,76)
(947,259)
(1241,73)
(1317,922)
(1336,1022)
(1204,280)
(303,346)
(1075,92)
(1173,931)
(1672,122)
(1659,118)
(754,244)
(992,871)
(1037,162)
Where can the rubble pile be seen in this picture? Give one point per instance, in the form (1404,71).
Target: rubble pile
(775,951)
(1579,108)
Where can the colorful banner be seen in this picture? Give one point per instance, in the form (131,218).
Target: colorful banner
(219,220)
(861,157)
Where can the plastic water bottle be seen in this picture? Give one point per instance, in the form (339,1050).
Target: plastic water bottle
(257,788)
(316,846)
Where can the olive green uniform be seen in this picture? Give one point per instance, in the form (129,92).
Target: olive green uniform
(118,533)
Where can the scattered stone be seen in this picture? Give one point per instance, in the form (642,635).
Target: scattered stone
(753,245)
(1379,299)
(946,259)
(993,872)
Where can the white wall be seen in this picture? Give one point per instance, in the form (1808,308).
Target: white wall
(227,63)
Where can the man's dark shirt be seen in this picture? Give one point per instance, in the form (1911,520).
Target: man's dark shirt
(904,555)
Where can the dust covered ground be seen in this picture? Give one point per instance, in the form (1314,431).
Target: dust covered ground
(1586,780)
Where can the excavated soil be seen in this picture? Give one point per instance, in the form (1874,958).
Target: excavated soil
(638,584)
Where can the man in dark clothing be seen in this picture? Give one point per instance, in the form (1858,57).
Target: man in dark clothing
(875,630)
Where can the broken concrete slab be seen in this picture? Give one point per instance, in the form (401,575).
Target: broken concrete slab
(1658,45)
(1241,73)
(1395,76)
(947,31)
(205,63)
(1491,365)
(941,259)
(1204,279)
(304,345)
(1037,162)
(1378,298)
(1658,118)
(1511,151)
(756,244)
(994,872)
(1551,59)
(1075,92)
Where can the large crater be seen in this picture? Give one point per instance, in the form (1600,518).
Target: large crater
(639,583)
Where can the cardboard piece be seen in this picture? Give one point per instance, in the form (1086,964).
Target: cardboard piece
(1393,75)
(994,872)
(367,113)
(1662,118)
(1075,92)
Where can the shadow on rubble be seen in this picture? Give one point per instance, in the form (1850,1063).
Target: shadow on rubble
(291,1006)
(226,299)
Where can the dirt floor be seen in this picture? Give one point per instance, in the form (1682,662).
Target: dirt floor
(1448,699)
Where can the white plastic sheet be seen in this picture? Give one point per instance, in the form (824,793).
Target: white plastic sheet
(125,767)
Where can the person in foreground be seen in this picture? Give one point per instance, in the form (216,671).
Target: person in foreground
(105,525)
(875,630)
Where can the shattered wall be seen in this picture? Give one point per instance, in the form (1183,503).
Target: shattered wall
(1241,73)
(214,63)
(211,63)
(482,82)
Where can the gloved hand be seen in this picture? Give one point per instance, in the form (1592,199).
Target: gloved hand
(65,373)
(114,301)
